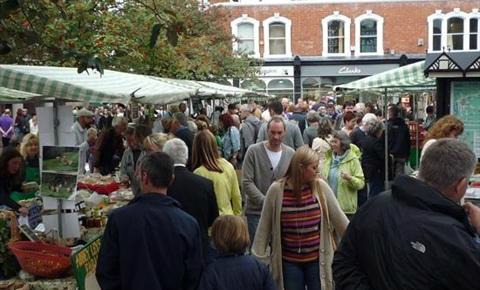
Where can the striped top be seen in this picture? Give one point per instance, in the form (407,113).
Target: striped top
(300,222)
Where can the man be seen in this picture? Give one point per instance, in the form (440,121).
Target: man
(299,116)
(293,137)
(110,147)
(182,108)
(359,133)
(430,119)
(179,128)
(348,106)
(151,243)
(398,140)
(417,236)
(311,132)
(233,111)
(194,192)
(264,163)
(79,129)
(249,128)
(87,152)
(6,127)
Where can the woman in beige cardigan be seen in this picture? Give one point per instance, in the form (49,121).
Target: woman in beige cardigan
(299,225)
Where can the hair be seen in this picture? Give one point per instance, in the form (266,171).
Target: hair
(227,120)
(343,138)
(277,119)
(370,106)
(367,118)
(360,107)
(7,155)
(92,131)
(181,118)
(457,161)
(28,139)
(205,152)
(230,234)
(232,106)
(204,119)
(116,121)
(156,139)
(159,168)
(359,117)
(313,116)
(177,150)
(324,128)
(375,126)
(141,132)
(348,116)
(303,157)
(19,115)
(429,110)
(444,126)
(276,107)
(395,110)
(348,104)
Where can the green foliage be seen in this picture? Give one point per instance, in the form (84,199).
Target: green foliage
(7,260)
(169,38)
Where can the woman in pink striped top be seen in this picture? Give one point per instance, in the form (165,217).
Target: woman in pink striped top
(299,216)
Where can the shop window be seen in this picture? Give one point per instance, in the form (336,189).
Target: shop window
(310,88)
(277,34)
(254,85)
(369,34)
(336,35)
(246,33)
(280,88)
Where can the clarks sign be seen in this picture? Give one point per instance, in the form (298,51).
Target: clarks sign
(349,70)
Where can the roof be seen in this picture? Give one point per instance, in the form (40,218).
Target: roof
(461,61)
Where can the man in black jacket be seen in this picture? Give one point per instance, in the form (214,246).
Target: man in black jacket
(417,236)
(398,139)
(194,192)
(151,243)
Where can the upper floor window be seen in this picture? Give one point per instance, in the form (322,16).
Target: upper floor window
(246,33)
(369,34)
(455,31)
(474,27)
(336,35)
(277,34)
(437,34)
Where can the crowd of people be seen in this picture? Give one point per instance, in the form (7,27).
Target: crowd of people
(296,187)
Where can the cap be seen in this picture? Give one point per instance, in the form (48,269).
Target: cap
(84,113)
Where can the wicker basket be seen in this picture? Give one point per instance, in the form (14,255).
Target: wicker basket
(14,231)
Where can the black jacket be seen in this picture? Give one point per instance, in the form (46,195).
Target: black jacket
(410,238)
(197,198)
(358,136)
(398,138)
(150,244)
(236,272)
(7,185)
(373,156)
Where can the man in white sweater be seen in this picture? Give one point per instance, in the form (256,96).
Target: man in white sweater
(264,163)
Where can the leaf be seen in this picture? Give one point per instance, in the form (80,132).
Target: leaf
(154,34)
(172,35)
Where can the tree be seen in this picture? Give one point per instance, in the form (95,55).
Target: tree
(168,38)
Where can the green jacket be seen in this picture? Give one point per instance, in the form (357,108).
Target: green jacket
(347,189)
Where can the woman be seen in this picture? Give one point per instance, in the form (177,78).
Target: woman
(349,121)
(230,238)
(343,171)
(448,126)
(29,148)
(230,139)
(373,157)
(207,163)
(34,124)
(299,217)
(321,144)
(11,162)
(21,126)
(154,142)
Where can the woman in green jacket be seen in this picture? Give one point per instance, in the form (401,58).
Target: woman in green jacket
(343,172)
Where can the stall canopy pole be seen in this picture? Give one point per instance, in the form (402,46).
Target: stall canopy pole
(386,137)
(417,131)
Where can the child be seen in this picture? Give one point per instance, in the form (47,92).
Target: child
(233,269)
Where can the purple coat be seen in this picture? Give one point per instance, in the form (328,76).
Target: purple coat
(6,123)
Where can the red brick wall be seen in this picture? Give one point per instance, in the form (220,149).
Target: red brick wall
(404,22)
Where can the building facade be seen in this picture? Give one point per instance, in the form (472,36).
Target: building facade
(306,47)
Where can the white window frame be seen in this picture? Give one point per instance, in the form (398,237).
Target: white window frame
(266,36)
(256,33)
(474,15)
(456,13)
(369,16)
(336,16)
(440,16)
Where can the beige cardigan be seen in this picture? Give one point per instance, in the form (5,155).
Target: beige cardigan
(269,232)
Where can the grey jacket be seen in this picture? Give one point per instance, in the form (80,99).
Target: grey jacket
(248,133)
(309,134)
(258,175)
(127,168)
(293,137)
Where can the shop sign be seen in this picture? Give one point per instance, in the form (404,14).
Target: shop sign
(276,71)
(84,264)
(349,70)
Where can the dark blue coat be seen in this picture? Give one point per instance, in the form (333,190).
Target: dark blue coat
(236,272)
(150,244)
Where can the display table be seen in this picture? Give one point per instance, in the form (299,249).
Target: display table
(68,283)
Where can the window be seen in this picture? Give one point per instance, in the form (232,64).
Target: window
(254,85)
(474,33)
(282,88)
(437,34)
(310,88)
(246,35)
(369,34)
(277,36)
(336,35)
(455,32)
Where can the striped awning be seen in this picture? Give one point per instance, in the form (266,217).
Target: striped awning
(114,87)
(410,76)
(9,96)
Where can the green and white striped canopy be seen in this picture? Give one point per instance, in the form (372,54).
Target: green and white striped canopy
(112,86)
(409,76)
(9,96)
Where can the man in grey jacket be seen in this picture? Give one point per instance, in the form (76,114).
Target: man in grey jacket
(249,128)
(293,136)
(264,163)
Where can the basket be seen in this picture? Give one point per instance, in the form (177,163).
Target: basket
(42,260)
(12,217)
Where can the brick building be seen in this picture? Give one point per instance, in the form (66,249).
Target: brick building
(308,46)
